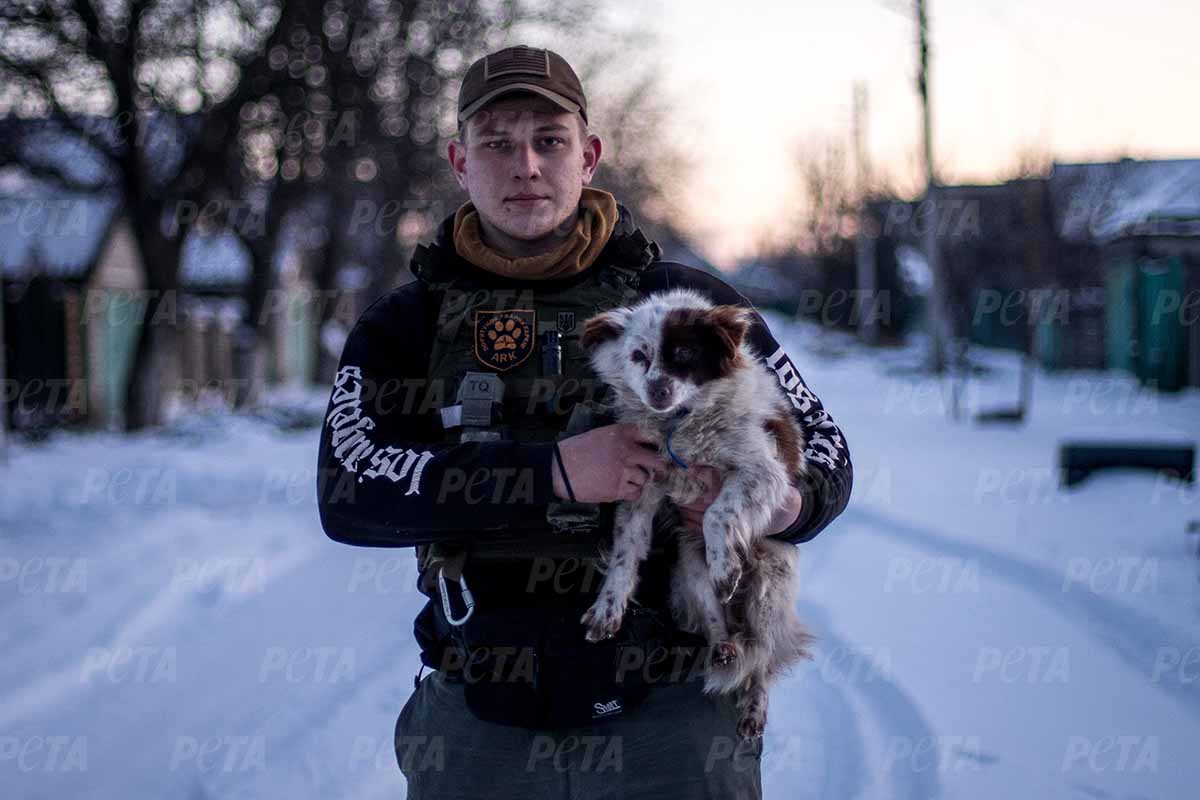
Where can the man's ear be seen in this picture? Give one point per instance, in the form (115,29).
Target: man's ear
(606,327)
(456,154)
(592,149)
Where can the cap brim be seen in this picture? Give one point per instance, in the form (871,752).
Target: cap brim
(558,99)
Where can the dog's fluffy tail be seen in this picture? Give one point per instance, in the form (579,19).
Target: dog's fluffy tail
(769,636)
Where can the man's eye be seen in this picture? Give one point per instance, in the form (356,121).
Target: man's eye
(496,145)
(553,140)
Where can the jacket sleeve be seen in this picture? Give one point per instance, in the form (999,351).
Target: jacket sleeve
(827,484)
(384,477)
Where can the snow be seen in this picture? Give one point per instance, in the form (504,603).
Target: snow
(1104,201)
(982,633)
(214,260)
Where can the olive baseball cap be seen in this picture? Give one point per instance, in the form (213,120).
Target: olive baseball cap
(520,69)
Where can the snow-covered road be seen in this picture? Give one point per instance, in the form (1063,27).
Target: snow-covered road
(177,625)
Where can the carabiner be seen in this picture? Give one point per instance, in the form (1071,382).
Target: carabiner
(467,598)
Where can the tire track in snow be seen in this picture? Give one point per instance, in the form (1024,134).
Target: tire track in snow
(814,748)
(153,612)
(1131,634)
(895,715)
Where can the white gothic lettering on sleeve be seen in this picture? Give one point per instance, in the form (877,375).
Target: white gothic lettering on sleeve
(825,443)
(349,436)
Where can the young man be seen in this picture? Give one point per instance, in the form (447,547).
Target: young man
(451,395)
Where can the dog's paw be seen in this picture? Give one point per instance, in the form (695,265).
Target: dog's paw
(751,726)
(602,621)
(725,653)
(725,582)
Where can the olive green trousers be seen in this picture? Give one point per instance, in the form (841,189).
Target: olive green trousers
(678,744)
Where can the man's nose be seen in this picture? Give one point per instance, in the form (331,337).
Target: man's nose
(526,163)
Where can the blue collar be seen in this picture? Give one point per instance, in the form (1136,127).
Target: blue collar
(675,420)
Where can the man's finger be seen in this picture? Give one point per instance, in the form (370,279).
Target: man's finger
(640,456)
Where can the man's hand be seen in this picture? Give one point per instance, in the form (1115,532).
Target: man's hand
(606,464)
(693,513)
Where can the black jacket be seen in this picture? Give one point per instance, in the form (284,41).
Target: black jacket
(390,498)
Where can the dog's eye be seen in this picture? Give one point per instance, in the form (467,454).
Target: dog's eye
(684,354)
(639,357)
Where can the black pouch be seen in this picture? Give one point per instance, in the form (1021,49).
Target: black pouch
(533,668)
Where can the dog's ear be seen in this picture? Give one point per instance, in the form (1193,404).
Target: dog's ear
(730,323)
(602,328)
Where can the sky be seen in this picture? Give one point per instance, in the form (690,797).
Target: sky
(752,82)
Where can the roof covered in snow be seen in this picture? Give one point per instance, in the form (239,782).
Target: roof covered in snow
(1107,201)
(216,261)
(45,229)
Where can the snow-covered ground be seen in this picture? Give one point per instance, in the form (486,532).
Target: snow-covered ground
(175,623)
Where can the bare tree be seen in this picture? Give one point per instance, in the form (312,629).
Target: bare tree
(167,88)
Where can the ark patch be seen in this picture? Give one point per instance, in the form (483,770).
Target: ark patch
(504,339)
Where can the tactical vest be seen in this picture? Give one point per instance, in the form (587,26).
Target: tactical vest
(528,338)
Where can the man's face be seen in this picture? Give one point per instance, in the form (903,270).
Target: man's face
(524,164)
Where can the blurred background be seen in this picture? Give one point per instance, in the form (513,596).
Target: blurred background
(974,225)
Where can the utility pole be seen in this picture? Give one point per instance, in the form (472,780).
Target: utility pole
(929,216)
(864,245)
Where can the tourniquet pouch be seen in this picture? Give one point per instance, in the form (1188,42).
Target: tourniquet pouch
(533,668)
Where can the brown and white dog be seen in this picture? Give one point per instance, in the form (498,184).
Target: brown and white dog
(682,373)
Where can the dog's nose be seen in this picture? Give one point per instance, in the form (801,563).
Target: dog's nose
(659,392)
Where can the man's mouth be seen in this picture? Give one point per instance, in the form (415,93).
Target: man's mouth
(526,199)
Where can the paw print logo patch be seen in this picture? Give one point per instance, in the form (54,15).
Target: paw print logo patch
(503,339)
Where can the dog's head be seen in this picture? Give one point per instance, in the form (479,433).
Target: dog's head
(669,348)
